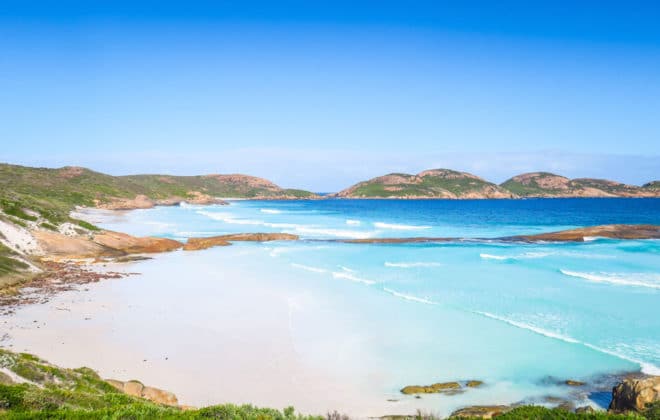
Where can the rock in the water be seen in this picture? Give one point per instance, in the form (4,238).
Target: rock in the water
(572,382)
(430,389)
(474,384)
(482,411)
(635,394)
(137,389)
(194,244)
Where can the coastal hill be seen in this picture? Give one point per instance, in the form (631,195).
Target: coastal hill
(42,199)
(545,184)
(446,183)
(434,183)
(29,193)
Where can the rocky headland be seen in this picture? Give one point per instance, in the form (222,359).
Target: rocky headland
(450,184)
(434,183)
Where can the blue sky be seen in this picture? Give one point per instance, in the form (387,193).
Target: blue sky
(322,94)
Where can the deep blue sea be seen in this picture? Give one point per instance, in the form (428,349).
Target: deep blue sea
(520,317)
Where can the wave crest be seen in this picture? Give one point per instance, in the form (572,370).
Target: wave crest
(632,279)
(409,297)
(394,226)
(411,264)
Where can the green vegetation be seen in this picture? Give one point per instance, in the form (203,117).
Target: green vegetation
(81,394)
(652,186)
(57,393)
(10,267)
(435,183)
(53,193)
(609,187)
(532,188)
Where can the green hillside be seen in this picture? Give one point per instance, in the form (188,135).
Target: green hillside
(435,183)
(27,193)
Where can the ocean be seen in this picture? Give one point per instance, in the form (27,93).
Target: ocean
(344,326)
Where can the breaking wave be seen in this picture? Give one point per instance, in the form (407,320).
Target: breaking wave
(647,368)
(352,277)
(353,222)
(633,279)
(309,268)
(411,264)
(393,226)
(409,297)
(270,211)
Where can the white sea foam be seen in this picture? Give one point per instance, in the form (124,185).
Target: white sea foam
(270,211)
(409,297)
(632,279)
(340,233)
(352,277)
(592,238)
(493,257)
(529,327)
(346,269)
(353,222)
(215,215)
(309,268)
(646,367)
(393,226)
(288,227)
(411,264)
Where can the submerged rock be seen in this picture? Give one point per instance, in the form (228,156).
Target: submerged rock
(635,394)
(474,384)
(482,411)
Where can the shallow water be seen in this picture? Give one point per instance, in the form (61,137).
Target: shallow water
(326,325)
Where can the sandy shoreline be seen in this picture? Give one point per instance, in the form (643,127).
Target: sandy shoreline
(225,325)
(211,339)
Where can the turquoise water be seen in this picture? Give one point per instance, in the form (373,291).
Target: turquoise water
(520,317)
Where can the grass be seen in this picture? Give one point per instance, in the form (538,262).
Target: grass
(58,393)
(54,193)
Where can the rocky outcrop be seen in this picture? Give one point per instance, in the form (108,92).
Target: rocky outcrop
(135,245)
(137,389)
(602,231)
(223,240)
(440,387)
(635,393)
(103,244)
(141,201)
(572,235)
(56,245)
(481,411)
(545,184)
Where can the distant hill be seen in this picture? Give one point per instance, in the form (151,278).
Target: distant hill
(450,184)
(28,194)
(545,184)
(434,183)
